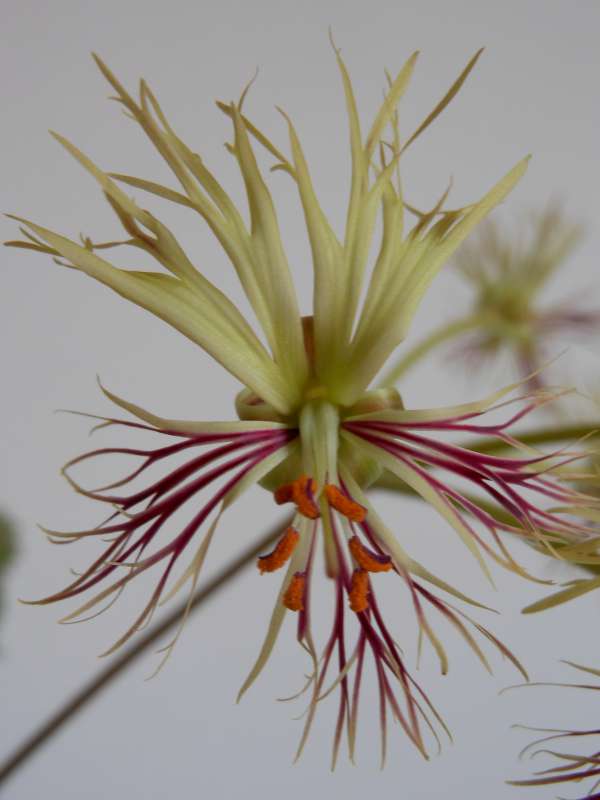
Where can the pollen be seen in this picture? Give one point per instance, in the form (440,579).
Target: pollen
(301,492)
(285,494)
(281,552)
(304,491)
(294,594)
(367,559)
(359,591)
(344,504)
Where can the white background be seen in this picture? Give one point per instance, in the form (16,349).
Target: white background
(181,735)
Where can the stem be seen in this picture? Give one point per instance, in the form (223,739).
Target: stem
(422,348)
(104,677)
(387,482)
(391,483)
(536,436)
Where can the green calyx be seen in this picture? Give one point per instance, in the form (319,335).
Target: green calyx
(321,452)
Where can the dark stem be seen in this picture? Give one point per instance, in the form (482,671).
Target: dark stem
(106,675)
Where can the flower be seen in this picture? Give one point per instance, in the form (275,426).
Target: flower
(570,767)
(310,430)
(508,274)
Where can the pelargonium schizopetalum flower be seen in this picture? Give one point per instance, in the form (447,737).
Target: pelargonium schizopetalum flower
(310,428)
(508,274)
(570,767)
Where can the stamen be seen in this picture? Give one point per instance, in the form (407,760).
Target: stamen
(367,559)
(344,504)
(294,595)
(281,552)
(359,590)
(304,490)
(301,492)
(285,494)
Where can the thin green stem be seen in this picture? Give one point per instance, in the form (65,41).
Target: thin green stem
(105,676)
(437,337)
(490,445)
(389,482)
(564,433)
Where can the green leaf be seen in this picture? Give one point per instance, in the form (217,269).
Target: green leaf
(7,548)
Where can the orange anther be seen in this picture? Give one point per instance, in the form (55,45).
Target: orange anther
(294,594)
(281,552)
(359,591)
(304,490)
(285,494)
(344,504)
(367,559)
(301,492)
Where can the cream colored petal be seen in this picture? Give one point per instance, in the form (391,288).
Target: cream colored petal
(271,265)
(396,550)
(577,589)
(452,91)
(390,252)
(204,320)
(406,416)
(376,343)
(260,137)
(279,611)
(275,623)
(211,201)
(189,426)
(191,572)
(419,283)
(419,485)
(356,253)
(153,188)
(327,261)
(360,163)
(254,475)
(387,110)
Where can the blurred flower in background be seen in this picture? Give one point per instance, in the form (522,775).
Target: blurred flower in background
(563,746)
(507,271)
(560,745)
